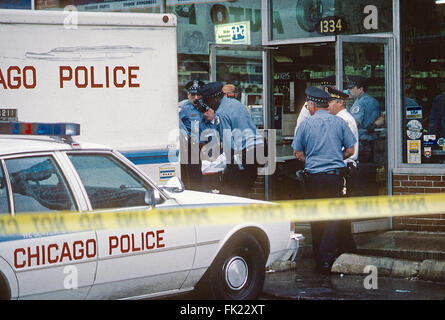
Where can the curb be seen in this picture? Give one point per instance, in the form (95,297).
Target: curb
(281,266)
(432,270)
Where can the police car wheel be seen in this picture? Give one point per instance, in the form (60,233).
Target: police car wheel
(239,270)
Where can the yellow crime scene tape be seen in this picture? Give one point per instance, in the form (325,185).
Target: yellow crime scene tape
(294,211)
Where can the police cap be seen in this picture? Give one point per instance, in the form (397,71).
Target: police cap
(357,81)
(317,95)
(328,81)
(211,90)
(192,86)
(336,94)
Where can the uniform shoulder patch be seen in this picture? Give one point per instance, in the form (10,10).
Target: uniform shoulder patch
(355,109)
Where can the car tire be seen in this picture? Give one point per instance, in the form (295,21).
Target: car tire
(238,271)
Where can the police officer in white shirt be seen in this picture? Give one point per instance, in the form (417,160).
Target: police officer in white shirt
(337,107)
(328,81)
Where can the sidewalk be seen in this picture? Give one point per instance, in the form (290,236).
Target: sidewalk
(401,254)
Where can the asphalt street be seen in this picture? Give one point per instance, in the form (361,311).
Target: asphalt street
(303,283)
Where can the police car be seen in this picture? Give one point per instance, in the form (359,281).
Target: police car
(55,174)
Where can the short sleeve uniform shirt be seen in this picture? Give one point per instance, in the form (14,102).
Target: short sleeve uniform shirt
(322,138)
(365,110)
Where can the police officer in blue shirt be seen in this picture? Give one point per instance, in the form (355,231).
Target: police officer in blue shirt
(189,120)
(188,114)
(365,110)
(212,158)
(322,142)
(242,144)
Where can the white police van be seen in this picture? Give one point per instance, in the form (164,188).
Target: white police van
(114,73)
(39,173)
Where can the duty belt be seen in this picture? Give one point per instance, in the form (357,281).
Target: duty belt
(339,172)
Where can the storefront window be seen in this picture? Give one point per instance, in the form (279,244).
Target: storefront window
(423,112)
(314,18)
(196,29)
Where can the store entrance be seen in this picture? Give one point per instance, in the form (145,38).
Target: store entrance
(298,66)
(294,68)
(368,58)
(271,82)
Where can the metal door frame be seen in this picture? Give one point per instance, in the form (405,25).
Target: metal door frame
(390,108)
(213,47)
(390,93)
(267,82)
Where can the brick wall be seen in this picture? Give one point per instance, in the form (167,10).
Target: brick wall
(258,189)
(44,4)
(402,184)
(418,184)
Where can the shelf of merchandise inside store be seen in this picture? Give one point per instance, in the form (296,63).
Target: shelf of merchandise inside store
(247,75)
(423,84)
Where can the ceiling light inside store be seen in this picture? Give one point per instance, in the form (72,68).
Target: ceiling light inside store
(281,59)
(440,1)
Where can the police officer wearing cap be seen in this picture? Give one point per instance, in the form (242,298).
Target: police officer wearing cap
(212,158)
(188,113)
(322,142)
(190,119)
(337,108)
(328,81)
(366,111)
(241,142)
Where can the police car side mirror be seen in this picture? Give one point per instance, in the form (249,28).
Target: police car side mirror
(152,197)
(174,184)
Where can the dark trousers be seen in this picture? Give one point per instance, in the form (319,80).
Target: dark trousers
(190,171)
(326,235)
(191,176)
(238,182)
(366,175)
(212,182)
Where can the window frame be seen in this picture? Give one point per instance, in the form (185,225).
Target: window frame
(123,162)
(7,186)
(403,166)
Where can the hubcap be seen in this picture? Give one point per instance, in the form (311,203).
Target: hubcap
(237,273)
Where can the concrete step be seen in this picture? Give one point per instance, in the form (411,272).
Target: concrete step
(431,270)
(407,245)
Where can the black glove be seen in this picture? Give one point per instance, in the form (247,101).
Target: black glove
(201,106)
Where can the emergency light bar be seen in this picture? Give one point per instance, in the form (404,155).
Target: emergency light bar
(61,129)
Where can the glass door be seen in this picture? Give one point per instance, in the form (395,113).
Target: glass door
(364,64)
(242,67)
(245,70)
